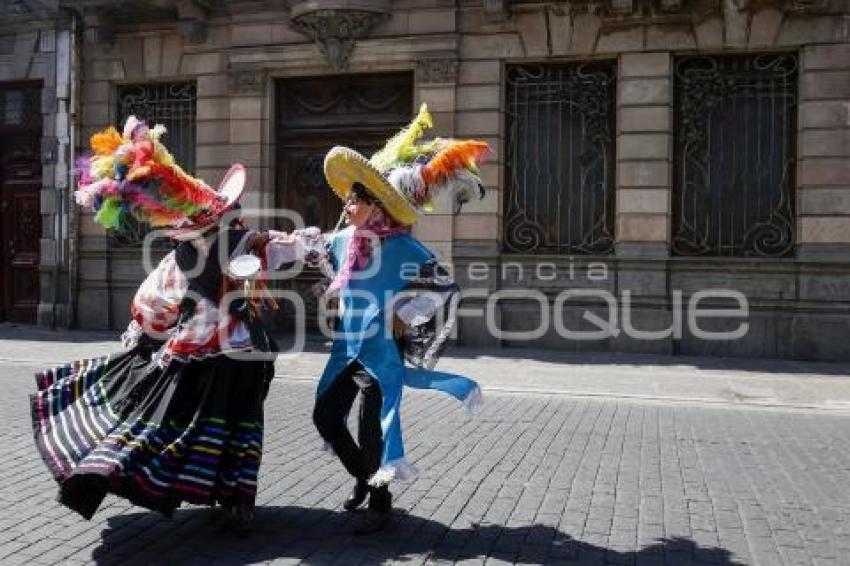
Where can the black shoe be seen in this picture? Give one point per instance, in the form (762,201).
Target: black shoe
(380,498)
(373,521)
(358,496)
(241,517)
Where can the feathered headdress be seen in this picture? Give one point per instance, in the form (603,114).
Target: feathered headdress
(406,175)
(132,176)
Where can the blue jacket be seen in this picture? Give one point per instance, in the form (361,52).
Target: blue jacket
(365,335)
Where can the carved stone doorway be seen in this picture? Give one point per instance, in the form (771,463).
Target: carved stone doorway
(313,115)
(20,210)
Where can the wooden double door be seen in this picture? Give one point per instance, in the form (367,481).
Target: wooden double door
(313,115)
(20,210)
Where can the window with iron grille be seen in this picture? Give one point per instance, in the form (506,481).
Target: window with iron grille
(734,155)
(171,104)
(559,158)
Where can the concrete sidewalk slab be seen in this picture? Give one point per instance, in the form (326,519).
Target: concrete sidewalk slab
(768,382)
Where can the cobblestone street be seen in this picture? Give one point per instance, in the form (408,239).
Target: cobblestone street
(533,479)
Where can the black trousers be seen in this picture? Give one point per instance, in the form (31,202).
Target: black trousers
(362,458)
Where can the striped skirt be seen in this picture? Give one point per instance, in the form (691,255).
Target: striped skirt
(190,432)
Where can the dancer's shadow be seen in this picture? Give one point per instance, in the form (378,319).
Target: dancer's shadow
(323,536)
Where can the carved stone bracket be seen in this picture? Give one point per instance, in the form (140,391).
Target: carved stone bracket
(335,25)
(246,81)
(435,71)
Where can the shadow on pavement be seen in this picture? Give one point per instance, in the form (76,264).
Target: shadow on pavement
(323,536)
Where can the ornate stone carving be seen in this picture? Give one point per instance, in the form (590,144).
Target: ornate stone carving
(246,81)
(432,71)
(807,6)
(627,13)
(23,11)
(335,26)
(632,12)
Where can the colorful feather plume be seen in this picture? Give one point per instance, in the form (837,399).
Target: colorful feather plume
(401,148)
(106,142)
(131,176)
(421,170)
(456,156)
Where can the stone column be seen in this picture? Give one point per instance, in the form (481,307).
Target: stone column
(54,194)
(435,84)
(102,68)
(643,154)
(823,172)
(643,219)
(820,326)
(477,228)
(212,116)
(249,137)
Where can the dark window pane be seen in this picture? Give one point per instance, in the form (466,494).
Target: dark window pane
(315,114)
(172,105)
(560,158)
(169,104)
(734,155)
(20,107)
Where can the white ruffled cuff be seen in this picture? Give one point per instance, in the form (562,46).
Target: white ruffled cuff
(398,469)
(474,402)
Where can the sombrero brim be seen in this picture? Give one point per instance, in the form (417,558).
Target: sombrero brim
(344,167)
(231,188)
(233,184)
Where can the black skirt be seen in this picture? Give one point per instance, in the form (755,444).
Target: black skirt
(188,432)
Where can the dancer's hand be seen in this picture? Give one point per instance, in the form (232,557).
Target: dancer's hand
(258,243)
(398,327)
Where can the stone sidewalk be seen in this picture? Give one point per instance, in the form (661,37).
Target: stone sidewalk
(610,375)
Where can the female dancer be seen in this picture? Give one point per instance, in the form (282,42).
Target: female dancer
(178,415)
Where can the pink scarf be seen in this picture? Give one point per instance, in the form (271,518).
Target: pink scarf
(379,226)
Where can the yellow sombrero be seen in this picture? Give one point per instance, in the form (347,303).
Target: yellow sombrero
(405,175)
(345,166)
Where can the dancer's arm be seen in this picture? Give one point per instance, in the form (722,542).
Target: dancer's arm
(425,312)
(279,248)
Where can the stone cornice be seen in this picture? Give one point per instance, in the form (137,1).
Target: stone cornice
(654,10)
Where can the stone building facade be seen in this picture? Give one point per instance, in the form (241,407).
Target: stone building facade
(646,151)
(36,57)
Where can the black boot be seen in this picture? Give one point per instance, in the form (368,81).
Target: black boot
(358,496)
(240,517)
(379,513)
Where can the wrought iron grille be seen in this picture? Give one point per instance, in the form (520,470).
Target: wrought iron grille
(170,104)
(734,156)
(560,158)
(173,105)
